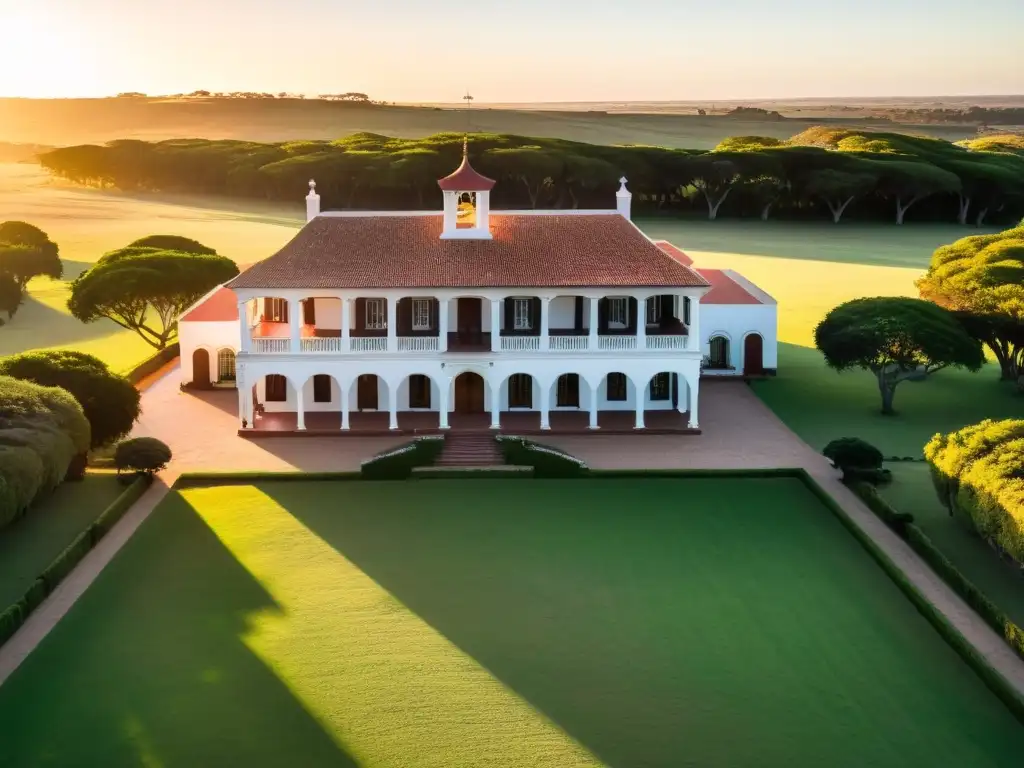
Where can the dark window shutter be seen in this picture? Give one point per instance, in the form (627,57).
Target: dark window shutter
(577,321)
(309,312)
(266,309)
(435,310)
(665,311)
(284,311)
(535,316)
(360,324)
(321,388)
(631,324)
(510,319)
(602,316)
(403,317)
(686,310)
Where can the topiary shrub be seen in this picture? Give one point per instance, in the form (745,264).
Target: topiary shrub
(857,459)
(141,455)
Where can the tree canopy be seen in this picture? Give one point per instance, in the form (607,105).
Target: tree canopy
(25,252)
(110,402)
(897,339)
(982,279)
(144,289)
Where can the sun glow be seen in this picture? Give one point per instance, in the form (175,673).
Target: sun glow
(42,57)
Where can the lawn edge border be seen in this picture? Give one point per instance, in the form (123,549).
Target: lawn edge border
(974,659)
(16,614)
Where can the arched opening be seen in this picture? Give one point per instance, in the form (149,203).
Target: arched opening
(226,366)
(520,391)
(201,369)
(368,392)
(753,355)
(616,401)
(469,393)
(273,403)
(663,391)
(718,358)
(567,391)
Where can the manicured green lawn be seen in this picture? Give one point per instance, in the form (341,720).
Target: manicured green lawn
(624,622)
(30,544)
(911,491)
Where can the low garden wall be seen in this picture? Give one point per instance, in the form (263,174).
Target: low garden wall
(398,463)
(14,615)
(545,460)
(152,364)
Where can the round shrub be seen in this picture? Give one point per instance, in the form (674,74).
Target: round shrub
(21,477)
(858,459)
(144,455)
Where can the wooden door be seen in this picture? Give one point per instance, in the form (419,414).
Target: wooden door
(753,362)
(201,369)
(367,392)
(470,318)
(469,393)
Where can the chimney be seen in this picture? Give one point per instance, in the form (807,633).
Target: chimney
(623,199)
(312,202)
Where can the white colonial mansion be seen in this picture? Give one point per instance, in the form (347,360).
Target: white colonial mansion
(474,317)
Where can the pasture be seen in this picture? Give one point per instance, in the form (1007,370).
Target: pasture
(530,624)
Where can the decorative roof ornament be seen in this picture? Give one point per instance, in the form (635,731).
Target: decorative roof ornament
(312,187)
(465,178)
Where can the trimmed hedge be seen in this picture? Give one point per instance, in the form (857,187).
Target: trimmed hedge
(12,617)
(546,462)
(153,363)
(398,463)
(891,516)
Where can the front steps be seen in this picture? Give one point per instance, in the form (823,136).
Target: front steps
(470,449)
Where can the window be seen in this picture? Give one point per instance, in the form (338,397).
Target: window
(686,310)
(321,388)
(521,313)
(654,310)
(520,391)
(616,387)
(275,310)
(419,391)
(719,357)
(661,387)
(421,314)
(226,365)
(568,391)
(376,315)
(618,312)
(277,388)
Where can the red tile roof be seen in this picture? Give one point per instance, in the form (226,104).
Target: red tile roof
(674,252)
(725,290)
(557,250)
(466,179)
(219,306)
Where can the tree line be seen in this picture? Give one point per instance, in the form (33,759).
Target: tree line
(820,173)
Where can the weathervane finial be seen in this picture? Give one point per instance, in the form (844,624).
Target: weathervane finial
(465,146)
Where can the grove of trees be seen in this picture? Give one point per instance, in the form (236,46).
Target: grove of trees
(820,173)
(25,252)
(145,286)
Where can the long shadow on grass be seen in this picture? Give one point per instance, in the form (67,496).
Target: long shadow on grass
(150,668)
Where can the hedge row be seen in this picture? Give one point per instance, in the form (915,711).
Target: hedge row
(903,525)
(546,461)
(16,614)
(398,464)
(153,363)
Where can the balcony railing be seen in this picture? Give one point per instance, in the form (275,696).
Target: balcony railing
(569,343)
(368,344)
(270,345)
(616,343)
(666,343)
(417,344)
(322,344)
(520,343)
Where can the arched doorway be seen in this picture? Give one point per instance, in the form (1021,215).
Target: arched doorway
(753,350)
(366,392)
(469,393)
(719,353)
(201,369)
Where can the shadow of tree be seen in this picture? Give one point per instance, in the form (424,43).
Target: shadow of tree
(38,324)
(154,670)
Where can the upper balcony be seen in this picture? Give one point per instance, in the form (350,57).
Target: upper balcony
(470,324)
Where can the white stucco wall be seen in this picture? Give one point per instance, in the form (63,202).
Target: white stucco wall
(209,336)
(735,322)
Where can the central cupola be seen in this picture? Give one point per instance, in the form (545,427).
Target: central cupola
(466,184)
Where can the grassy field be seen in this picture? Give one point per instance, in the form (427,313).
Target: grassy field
(911,491)
(29,545)
(532,623)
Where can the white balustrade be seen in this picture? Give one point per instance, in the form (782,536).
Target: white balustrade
(616,343)
(269,346)
(568,343)
(322,344)
(520,343)
(666,343)
(369,344)
(417,344)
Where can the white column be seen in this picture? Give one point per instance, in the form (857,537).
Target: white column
(495,406)
(641,324)
(544,323)
(593,405)
(545,407)
(300,409)
(640,393)
(392,324)
(694,392)
(694,339)
(592,340)
(442,328)
(344,408)
(243,325)
(240,383)
(495,326)
(295,325)
(346,324)
(442,403)
(392,409)
(681,401)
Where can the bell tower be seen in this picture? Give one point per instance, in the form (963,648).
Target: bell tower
(465,180)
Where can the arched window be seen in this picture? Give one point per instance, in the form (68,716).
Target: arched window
(226,365)
(520,391)
(719,357)
(277,388)
(568,395)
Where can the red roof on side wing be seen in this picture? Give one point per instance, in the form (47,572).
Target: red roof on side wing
(674,252)
(219,306)
(725,290)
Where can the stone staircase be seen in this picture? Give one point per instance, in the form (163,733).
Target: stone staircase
(470,449)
